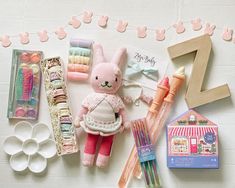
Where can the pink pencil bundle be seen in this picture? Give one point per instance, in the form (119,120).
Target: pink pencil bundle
(79,60)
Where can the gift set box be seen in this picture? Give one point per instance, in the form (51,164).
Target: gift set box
(192,142)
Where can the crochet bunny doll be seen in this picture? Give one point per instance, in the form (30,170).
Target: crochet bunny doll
(102,113)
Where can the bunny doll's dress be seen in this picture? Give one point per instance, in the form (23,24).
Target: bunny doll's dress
(102,117)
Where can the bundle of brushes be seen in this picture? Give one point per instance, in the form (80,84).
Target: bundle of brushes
(146,153)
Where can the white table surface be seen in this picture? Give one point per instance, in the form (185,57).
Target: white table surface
(34,15)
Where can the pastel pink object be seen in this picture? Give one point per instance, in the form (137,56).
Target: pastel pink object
(209,29)
(160,34)
(20,112)
(227,34)
(106,79)
(102,160)
(104,150)
(87,17)
(5,40)
(24,38)
(61,34)
(43,37)
(75,22)
(77,76)
(141,32)
(88,159)
(102,22)
(196,24)
(179,27)
(234,40)
(121,26)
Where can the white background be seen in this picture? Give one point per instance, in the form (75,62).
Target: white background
(33,15)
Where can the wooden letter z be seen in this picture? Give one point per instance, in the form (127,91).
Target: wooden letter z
(194,95)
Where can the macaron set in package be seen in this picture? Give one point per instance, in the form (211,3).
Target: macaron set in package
(58,102)
(25,85)
(79,60)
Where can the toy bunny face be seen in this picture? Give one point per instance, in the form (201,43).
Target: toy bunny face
(106,77)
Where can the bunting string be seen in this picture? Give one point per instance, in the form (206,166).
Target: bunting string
(141,31)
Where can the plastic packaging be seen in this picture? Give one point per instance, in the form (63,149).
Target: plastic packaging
(25,85)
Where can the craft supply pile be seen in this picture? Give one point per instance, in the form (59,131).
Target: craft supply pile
(192,139)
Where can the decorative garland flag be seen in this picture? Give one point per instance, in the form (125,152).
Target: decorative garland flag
(122,25)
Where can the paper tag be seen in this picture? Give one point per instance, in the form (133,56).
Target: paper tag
(146,153)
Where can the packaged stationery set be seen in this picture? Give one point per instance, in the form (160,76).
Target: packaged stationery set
(25,85)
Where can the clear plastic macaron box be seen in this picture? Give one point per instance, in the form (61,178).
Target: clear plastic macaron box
(25,84)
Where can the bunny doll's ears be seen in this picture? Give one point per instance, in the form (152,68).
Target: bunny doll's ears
(98,55)
(118,58)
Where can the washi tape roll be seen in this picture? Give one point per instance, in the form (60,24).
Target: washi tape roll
(83,43)
(56,84)
(80,51)
(65,127)
(58,92)
(77,68)
(79,60)
(62,105)
(60,99)
(64,112)
(67,119)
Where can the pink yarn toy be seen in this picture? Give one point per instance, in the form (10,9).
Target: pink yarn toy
(103,112)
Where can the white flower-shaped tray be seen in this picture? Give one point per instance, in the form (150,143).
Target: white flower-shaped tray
(30,147)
